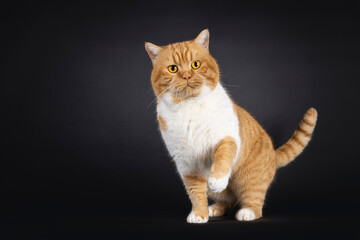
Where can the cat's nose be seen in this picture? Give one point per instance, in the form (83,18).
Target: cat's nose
(187,77)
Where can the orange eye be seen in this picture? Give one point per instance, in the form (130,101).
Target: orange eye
(173,68)
(195,64)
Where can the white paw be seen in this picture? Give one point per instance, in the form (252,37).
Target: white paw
(211,212)
(245,214)
(192,218)
(217,185)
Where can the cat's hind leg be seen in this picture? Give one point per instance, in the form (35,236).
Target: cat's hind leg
(224,201)
(219,209)
(252,181)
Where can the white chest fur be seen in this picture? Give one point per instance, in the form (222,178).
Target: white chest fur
(195,126)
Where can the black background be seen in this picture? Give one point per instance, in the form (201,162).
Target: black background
(82,155)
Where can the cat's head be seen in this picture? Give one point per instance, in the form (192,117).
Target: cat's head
(183,70)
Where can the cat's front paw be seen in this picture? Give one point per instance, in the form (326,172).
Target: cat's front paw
(197,218)
(217,185)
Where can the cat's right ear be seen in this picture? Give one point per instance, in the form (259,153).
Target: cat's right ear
(203,39)
(152,50)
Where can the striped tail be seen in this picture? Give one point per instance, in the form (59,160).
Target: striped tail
(298,141)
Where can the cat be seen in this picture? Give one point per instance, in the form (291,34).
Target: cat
(219,149)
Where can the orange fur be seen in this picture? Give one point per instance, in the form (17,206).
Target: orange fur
(162,123)
(257,161)
(196,187)
(223,155)
(224,201)
(182,54)
(298,140)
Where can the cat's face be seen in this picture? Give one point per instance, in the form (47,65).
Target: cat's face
(184,70)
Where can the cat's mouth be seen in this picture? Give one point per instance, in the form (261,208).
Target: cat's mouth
(184,87)
(189,86)
(187,92)
(187,89)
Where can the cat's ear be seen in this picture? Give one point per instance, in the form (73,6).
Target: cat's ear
(203,39)
(152,50)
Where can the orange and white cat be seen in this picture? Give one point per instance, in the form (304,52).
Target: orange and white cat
(219,149)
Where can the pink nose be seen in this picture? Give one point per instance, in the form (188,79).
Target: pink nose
(187,77)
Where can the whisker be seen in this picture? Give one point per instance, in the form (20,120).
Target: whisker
(228,85)
(157,97)
(149,90)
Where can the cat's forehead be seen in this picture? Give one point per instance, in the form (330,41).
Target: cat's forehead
(182,52)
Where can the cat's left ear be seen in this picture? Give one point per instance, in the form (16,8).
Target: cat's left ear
(152,50)
(203,39)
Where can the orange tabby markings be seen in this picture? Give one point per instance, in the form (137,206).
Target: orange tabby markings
(255,168)
(223,156)
(298,140)
(181,54)
(162,123)
(219,208)
(196,188)
(226,196)
(257,161)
